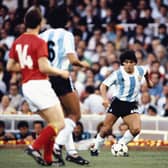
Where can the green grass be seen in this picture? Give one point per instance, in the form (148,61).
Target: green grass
(16,158)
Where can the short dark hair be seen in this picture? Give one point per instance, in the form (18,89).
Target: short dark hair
(162,26)
(39,122)
(90,89)
(32,17)
(128,55)
(22,124)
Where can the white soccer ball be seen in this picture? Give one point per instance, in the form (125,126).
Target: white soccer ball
(119,150)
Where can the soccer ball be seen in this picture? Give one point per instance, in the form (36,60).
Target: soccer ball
(119,150)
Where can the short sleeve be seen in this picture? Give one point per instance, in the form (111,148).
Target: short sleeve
(69,43)
(111,79)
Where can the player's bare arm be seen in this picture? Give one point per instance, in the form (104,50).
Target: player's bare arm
(75,61)
(103,91)
(45,67)
(148,81)
(13,66)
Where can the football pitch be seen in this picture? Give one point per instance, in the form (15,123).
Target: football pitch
(16,158)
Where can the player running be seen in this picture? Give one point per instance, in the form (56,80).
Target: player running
(29,54)
(61,55)
(127,81)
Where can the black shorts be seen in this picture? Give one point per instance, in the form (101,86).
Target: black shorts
(61,86)
(122,108)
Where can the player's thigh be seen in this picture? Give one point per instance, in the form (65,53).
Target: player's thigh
(133,121)
(70,103)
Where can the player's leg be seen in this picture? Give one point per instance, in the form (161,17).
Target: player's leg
(45,101)
(70,103)
(134,123)
(109,121)
(55,119)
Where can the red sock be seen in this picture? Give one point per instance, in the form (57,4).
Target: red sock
(45,136)
(48,149)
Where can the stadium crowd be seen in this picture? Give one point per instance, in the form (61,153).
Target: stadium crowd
(103,29)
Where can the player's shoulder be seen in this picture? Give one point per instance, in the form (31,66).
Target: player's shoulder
(54,30)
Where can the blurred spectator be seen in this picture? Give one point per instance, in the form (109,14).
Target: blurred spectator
(157,88)
(147,16)
(109,18)
(36,4)
(124,17)
(90,18)
(163,17)
(130,8)
(24,132)
(145,102)
(24,108)
(162,103)
(3,14)
(3,134)
(110,33)
(161,54)
(6,40)
(152,111)
(121,41)
(93,102)
(14,95)
(95,39)
(162,34)
(79,133)
(140,57)
(99,51)
(141,36)
(5,107)
(142,5)
(157,67)
(155,5)
(37,128)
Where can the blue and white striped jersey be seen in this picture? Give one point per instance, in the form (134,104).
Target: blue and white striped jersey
(60,43)
(127,86)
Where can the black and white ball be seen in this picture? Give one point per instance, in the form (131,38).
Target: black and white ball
(119,150)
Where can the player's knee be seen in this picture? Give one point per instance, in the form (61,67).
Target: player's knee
(57,125)
(135,131)
(74,116)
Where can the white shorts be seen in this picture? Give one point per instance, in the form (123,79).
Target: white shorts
(39,94)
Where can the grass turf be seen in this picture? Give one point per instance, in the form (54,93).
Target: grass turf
(16,158)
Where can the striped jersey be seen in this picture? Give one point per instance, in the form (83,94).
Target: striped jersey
(60,43)
(127,85)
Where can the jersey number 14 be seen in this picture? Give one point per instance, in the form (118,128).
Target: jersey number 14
(24,59)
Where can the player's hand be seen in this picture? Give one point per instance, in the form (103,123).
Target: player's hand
(65,74)
(85,64)
(146,75)
(106,103)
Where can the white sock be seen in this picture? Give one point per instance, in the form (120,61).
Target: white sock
(127,137)
(70,146)
(63,135)
(99,141)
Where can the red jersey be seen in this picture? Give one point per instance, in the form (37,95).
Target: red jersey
(26,50)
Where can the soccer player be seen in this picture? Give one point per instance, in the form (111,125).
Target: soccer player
(61,55)
(29,54)
(124,102)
